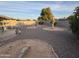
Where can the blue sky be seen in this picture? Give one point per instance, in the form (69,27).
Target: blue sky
(32,9)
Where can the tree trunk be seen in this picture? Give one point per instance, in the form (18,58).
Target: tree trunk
(52,25)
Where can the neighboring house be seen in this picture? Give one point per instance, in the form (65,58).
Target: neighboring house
(7,22)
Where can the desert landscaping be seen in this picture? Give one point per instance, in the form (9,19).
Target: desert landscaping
(43,29)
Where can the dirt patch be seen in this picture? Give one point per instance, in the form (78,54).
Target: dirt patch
(54,29)
(39,49)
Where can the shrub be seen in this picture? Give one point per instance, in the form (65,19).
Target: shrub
(74,21)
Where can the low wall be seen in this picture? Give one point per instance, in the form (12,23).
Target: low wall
(26,22)
(8,23)
(14,23)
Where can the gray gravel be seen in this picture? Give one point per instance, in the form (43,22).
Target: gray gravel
(64,43)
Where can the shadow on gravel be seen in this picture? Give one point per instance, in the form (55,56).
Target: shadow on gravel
(64,43)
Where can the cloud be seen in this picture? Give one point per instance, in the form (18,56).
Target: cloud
(32,9)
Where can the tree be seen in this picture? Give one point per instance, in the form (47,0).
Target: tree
(40,20)
(74,21)
(46,15)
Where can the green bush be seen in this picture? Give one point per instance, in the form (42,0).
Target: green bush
(74,21)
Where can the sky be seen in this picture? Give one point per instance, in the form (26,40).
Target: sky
(32,9)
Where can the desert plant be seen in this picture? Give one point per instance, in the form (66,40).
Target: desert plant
(74,21)
(46,15)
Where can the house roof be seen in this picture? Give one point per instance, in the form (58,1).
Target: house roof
(5,18)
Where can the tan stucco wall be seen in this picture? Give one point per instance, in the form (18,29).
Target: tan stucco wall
(8,23)
(14,23)
(26,22)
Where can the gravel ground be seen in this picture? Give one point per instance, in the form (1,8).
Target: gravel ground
(38,49)
(8,34)
(64,43)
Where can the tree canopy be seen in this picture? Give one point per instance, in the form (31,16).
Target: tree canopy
(46,15)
